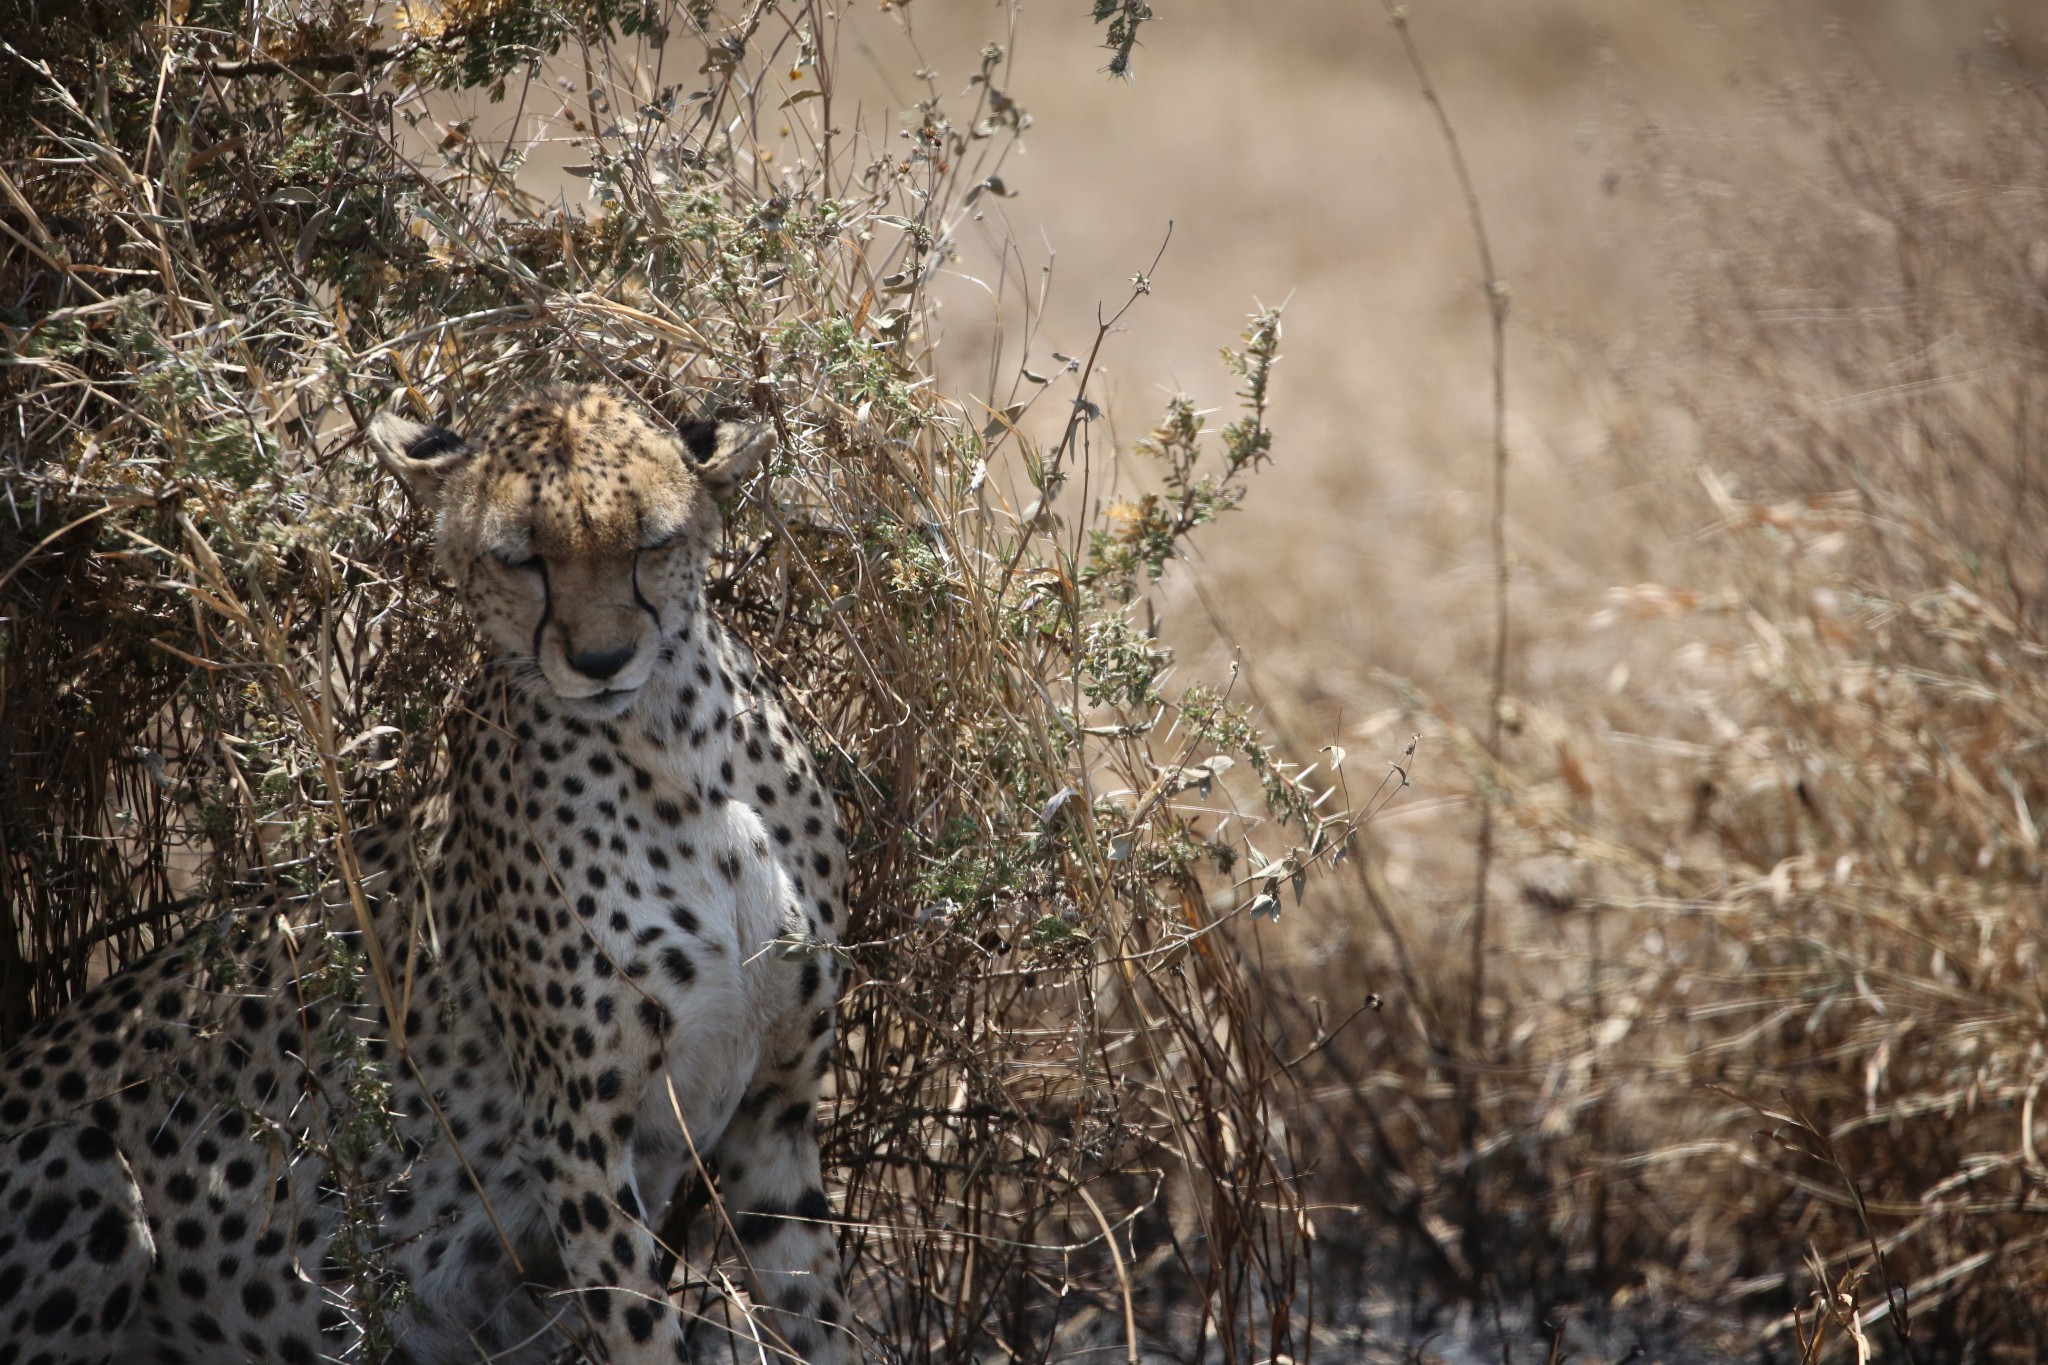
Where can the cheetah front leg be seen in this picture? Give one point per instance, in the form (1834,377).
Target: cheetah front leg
(769,1181)
(613,1276)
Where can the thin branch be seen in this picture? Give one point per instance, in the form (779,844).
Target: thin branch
(316,61)
(1497,315)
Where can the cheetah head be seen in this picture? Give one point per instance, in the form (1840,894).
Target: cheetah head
(577,531)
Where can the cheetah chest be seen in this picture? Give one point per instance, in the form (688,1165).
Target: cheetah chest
(641,922)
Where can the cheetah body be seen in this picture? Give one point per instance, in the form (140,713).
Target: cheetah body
(610,964)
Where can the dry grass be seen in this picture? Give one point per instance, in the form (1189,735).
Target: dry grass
(1773,770)
(1760,1016)
(1768,1018)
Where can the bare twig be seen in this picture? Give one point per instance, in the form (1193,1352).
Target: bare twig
(1497,318)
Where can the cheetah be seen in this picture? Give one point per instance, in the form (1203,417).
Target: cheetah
(609,964)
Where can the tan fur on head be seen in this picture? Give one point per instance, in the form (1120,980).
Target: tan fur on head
(577,530)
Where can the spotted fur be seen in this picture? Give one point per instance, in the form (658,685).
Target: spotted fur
(631,894)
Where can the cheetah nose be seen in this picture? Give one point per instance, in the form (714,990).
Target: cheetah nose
(600,664)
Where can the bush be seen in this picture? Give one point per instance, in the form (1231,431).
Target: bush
(233,237)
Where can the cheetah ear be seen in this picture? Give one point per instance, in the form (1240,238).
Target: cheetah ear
(421,456)
(723,454)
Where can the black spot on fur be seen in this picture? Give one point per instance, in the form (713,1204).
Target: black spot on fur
(56,1310)
(106,1241)
(114,1312)
(48,1216)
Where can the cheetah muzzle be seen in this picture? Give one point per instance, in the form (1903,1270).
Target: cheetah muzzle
(633,823)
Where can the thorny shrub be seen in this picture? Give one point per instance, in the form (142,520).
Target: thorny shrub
(233,234)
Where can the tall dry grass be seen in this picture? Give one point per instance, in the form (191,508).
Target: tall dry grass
(1766,1029)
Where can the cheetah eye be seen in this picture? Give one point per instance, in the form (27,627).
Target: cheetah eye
(516,562)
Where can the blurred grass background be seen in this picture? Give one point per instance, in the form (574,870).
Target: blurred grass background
(1774,770)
